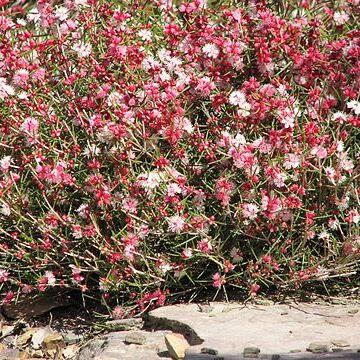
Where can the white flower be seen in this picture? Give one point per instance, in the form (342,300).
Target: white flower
(145,35)
(236,255)
(339,116)
(340,17)
(355,106)
(5,89)
(61,13)
(83,50)
(5,209)
(149,181)
(292,161)
(250,211)
(21,22)
(237,98)
(165,267)
(238,140)
(92,150)
(173,189)
(176,223)
(51,280)
(114,98)
(211,50)
(33,15)
(324,235)
(5,163)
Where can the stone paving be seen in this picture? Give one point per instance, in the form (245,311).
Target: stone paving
(221,331)
(215,331)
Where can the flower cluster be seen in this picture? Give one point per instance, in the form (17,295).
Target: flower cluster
(206,146)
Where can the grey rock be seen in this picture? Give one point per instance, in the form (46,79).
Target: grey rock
(125,324)
(205,308)
(93,349)
(39,336)
(245,325)
(340,343)
(71,337)
(251,350)
(10,354)
(295,351)
(209,351)
(318,348)
(275,357)
(135,338)
(340,350)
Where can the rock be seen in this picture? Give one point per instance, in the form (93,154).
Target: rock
(176,345)
(205,308)
(39,336)
(32,305)
(10,354)
(70,352)
(353,311)
(340,343)
(36,353)
(318,348)
(125,324)
(275,357)
(251,352)
(53,344)
(210,351)
(71,337)
(25,338)
(7,330)
(93,349)
(135,338)
(295,351)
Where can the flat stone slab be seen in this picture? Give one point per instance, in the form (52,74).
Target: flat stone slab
(114,346)
(275,329)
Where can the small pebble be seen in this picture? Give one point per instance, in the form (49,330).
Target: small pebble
(318,348)
(252,350)
(340,343)
(135,338)
(209,351)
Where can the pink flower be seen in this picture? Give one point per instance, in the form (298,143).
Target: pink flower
(129,205)
(5,163)
(30,126)
(118,313)
(319,151)
(292,161)
(176,223)
(249,211)
(211,50)
(187,253)
(204,246)
(205,86)
(254,288)
(4,276)
(21,77)
(218,280)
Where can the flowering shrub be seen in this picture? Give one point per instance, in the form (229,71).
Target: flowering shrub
(148,147)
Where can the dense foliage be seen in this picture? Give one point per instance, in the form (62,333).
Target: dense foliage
(148,147)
